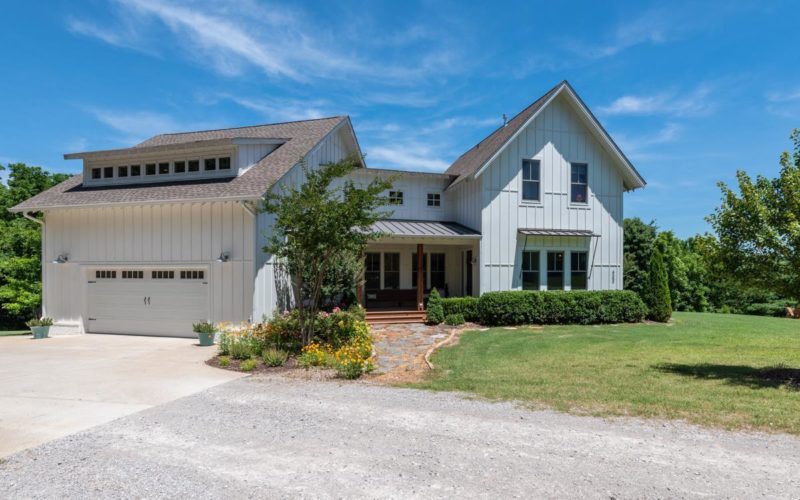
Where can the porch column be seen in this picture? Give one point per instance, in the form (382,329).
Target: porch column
(420,279)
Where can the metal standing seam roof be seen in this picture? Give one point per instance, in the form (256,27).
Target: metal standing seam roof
(420,228)
(557,232)
(300,138)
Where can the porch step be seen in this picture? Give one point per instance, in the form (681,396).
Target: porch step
(394,317)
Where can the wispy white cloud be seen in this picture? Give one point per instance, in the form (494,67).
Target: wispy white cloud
(693,103)
(282,109)
(231,35)
(134,126)
(640,147)
(652,27)
(784,96)
(407,156)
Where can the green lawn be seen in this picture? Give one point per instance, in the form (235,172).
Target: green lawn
(712,369)
(9,333)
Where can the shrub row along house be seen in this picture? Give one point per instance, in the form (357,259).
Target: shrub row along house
(152,238)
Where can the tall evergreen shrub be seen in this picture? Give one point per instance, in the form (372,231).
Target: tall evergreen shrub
(657,297)
(435,310)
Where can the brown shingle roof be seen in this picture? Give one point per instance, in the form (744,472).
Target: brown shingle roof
(300,138)
(474,159)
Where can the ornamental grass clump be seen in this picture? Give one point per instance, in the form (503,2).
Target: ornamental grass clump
(240,341)
(248,365)
(274,357)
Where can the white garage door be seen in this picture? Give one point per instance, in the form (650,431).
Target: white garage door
(162,302)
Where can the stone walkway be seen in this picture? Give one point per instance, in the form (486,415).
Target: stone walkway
(400,349)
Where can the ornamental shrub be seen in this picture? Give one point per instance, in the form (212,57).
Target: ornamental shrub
(465,306)
(560,307)
(274,357)
(435,310)
(454,319)
(248,365)
(656,296)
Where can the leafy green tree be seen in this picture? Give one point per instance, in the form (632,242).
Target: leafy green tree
(657,296)
(685,273)
(317,224)
(20,244)
(759,227)
(638,247)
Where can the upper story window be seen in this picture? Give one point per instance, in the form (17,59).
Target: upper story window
(160,169)
(531,180)
(579,183)
(434,200)
(395,197)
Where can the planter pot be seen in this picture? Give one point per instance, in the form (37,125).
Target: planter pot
(40,332)
(205,339)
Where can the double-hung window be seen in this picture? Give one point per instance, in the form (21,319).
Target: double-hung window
(579,183)
(395,197)
(437,271)
(372,271)
(555,270)
(531,180)
(578,270)
(391,270)
(530,270)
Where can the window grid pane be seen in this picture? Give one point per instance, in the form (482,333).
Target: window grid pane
(391,270)
(530,270)
(136,170)
(122,171)
(579,178)
(180,167)
(578,267)
(395,197)
(372,271)
(434,200)
(437,271)
(555,270)
(531,172)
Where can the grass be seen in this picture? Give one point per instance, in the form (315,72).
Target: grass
(720,370)
(10,333)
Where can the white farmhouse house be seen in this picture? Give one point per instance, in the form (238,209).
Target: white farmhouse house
(152,238)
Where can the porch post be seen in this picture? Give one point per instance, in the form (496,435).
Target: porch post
(420,278)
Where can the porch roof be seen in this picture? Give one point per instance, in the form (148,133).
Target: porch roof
(424,228)
(557,232)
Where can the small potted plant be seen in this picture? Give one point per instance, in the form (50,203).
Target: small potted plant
(205,333)
(40,328)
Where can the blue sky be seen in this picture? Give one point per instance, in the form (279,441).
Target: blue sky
(691,91)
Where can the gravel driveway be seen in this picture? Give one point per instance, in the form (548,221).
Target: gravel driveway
(267,436)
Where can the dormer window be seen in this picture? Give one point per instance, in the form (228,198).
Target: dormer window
(194,165)
(395,197)
(225,163)
(163,168)
(108,172)
(211,163)
(97,173)
(150,169)
(136,170)
(122,171)
(179,167)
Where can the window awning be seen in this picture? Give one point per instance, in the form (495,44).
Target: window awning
(420,228)
(558,232)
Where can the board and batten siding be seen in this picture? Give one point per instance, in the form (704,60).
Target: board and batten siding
(415,188)
(334,147)
(556,137)
(180,235)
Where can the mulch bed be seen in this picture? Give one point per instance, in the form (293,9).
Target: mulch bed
(291,369)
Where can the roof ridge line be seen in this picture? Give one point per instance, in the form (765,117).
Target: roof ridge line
(245,126)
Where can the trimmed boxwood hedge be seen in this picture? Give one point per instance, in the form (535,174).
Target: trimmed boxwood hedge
(465,306)
(547,308)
